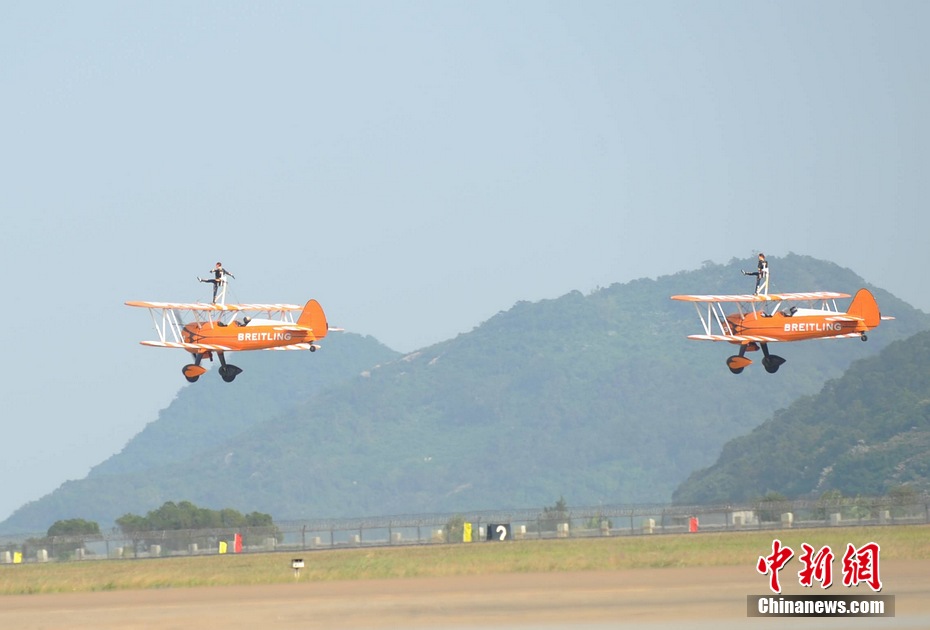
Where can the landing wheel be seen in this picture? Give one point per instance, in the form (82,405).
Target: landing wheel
(192,371)
(772,362)
(864,337)
(229,372)
(738,362)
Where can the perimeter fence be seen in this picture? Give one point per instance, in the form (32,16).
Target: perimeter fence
(431,529)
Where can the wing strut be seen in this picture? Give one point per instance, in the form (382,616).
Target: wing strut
(716,313)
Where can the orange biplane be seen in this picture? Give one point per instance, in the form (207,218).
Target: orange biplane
(213,328)
(753,327)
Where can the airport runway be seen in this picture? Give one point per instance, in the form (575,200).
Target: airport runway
(651,598)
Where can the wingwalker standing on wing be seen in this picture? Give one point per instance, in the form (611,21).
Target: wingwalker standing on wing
(218,280)
(762,276)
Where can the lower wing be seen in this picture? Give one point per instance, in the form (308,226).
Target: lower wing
(761,339)
(734,338)
(187,346)
(208,347)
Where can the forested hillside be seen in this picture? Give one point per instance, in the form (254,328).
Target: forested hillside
(599,398)
(202,415)
(864,433)
(211,410)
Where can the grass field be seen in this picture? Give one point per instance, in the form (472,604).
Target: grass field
(538,556)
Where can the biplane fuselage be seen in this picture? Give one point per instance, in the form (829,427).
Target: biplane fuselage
(238,335)
(786,326)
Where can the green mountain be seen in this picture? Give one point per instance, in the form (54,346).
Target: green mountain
(211,410)
(599,398)
(200,415)
(864,433)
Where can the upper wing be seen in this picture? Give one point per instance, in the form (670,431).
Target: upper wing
(772,297)
(202,306)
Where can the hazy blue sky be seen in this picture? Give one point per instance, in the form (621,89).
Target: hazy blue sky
(417,167)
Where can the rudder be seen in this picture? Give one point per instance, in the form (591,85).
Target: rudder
(865,306)
(313,317)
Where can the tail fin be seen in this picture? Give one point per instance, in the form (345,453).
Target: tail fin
(313,317)
(865,306)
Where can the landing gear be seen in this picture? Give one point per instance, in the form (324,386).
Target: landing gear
(864,337)
(738,362)
(228,371)
(193,371)
(771,362)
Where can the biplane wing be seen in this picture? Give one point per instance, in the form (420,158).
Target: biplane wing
(762,338)
(191,347)
(208,347)
(734,338)
(203,306)
(773,297)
